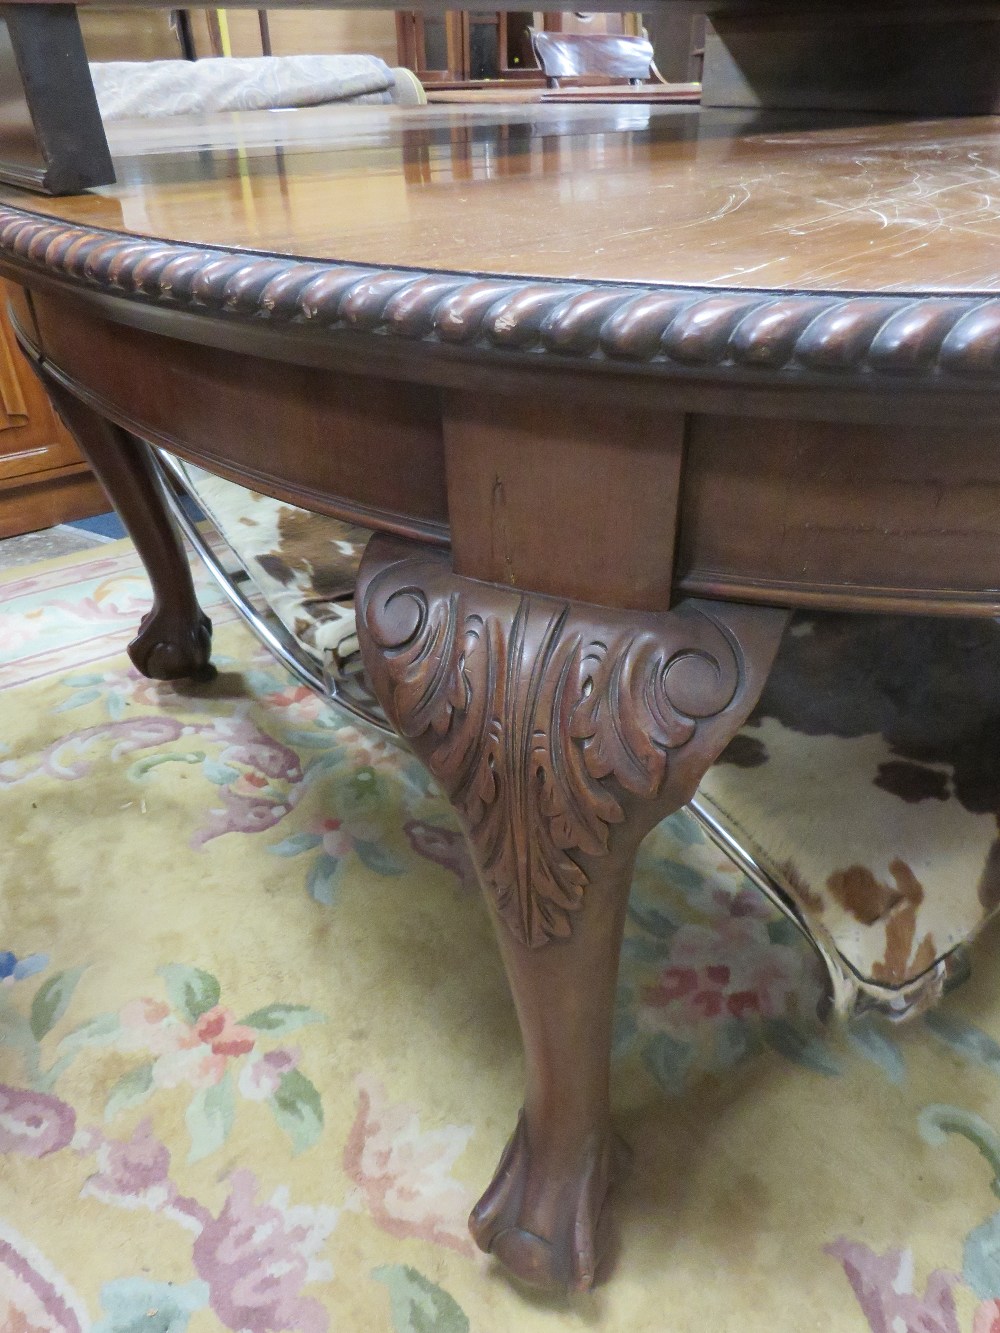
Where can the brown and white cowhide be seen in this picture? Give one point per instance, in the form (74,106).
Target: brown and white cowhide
(867,783)
(303,564)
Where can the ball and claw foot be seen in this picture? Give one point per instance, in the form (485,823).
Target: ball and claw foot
(169,647)
(511,1222)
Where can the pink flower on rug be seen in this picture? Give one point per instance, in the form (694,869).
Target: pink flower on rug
(192,1053)
(987,1318)
(444,846)
(246,745)
(337,841)
(147,1025)
(883,1284)
(33,1124)
(33,1295)
(260,1078)
(135,1173)
(370,751)
(194,1065)
(727,968)
(257,1257)
(18,630)
(300,700)
(404,1174)
(219,1030)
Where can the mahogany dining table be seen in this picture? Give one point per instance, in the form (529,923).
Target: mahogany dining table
(617,388)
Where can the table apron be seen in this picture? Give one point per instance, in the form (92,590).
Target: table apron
(627,503)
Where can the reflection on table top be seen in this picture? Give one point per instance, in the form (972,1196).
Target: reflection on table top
(652,194)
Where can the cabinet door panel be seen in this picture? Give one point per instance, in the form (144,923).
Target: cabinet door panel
(43,478)
(32,438)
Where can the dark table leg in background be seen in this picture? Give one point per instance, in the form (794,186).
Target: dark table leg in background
(51,136)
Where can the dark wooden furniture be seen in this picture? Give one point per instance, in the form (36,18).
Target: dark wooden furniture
(607,438)
(463,47)
(43,478)
(678,39)
(51,137)
(600,56)
(920,57)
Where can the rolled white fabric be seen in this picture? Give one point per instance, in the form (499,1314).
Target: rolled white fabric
(189,87)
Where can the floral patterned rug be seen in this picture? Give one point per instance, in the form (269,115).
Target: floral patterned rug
(257,1056)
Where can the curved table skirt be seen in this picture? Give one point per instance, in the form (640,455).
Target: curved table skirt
(889,504)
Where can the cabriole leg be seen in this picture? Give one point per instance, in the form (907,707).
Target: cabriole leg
(562,732)
(175,637)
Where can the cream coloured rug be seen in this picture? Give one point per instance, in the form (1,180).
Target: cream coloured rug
(257,1056)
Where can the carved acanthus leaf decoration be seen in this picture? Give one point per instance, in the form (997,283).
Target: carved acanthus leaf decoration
(540,719)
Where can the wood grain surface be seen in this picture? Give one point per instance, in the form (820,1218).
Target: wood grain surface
(651,194)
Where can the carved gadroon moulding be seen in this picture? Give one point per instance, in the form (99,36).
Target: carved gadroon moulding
(546,722)
(757,335)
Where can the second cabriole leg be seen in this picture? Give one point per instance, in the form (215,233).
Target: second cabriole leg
(175,637)
(562,732)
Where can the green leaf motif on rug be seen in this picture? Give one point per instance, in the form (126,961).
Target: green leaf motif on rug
(192,992)
(143,766)
(981,1259)
(378,858)
(210,1117)
(130,1090)
(870,1040)
(139,1305)
(686,879)
(78,699)
(669,1061)
(981,1252)
(939,1120)
(735,1041)
(51,1000)
(97,1030)
(101,1030)
(654,921)
(277,1019)
(965,1038)
(298,1110)
(419,1305)
(322,878)
(361,792)
(801,1046)
(298,842)
(218,773)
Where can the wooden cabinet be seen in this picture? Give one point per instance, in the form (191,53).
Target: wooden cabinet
(459,46)
(43,478)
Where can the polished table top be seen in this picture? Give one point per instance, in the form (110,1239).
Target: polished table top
(646,194)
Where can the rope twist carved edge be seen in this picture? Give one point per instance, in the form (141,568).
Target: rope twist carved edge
(893,338)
